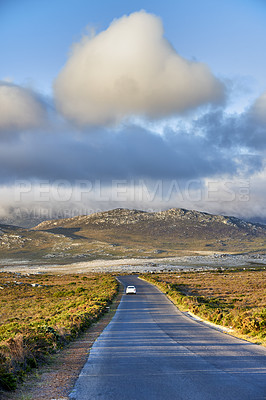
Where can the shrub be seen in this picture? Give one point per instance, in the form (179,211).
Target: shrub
(46,318)
(235,298)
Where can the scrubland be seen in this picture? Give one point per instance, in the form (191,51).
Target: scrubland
(235,299)
(39,314)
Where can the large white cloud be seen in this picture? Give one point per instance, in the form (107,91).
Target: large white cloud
(19,109)
(130,68)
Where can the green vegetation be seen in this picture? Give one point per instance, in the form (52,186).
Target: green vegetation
(233,298)
(39,314)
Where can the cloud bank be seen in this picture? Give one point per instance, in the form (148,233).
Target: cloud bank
(133,152)
(20,109)
(131,69)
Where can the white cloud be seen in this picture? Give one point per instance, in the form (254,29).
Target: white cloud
(131,69)
(259,109)
(19,109)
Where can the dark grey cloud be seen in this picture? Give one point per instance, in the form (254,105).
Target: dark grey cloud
(233,131)
(131,153)
(215,148)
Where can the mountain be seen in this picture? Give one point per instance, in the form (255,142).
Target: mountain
(171,230)
(123,233)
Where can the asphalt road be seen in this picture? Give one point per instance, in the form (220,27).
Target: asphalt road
(150,350)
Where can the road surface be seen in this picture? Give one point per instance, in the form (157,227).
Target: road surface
(150,350)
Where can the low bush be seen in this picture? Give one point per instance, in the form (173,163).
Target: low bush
(37,320)
(234,299)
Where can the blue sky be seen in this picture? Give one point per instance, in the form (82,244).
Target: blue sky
(211,119)
(35,35)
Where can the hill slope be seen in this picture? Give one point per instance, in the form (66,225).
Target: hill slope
(123,233)
(167,231)
(21,243)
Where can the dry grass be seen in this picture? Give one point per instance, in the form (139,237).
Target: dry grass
(40,313)
(234,299)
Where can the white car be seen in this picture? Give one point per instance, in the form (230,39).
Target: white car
(131,290)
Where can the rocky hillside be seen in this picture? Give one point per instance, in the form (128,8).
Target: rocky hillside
(25,244)
(169,221)
(122,234)
(173,229)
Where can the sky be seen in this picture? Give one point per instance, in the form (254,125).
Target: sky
(140,104)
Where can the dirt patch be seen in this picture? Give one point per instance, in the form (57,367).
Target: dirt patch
(55,380)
